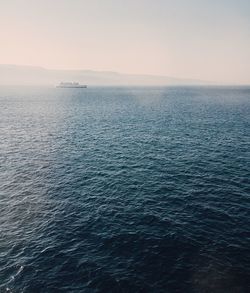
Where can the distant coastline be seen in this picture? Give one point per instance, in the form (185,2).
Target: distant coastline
(31,75)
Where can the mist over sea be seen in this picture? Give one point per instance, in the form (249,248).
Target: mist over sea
(125,189)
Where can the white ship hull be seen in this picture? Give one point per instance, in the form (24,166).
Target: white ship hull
(71,85)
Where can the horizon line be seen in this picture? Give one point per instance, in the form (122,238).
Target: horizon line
(206,82)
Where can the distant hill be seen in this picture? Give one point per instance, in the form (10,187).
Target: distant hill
(30,75)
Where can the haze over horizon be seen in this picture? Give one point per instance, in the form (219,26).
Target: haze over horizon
(13,75)
(183,39)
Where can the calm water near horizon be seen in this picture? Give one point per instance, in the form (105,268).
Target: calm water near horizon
(125,189)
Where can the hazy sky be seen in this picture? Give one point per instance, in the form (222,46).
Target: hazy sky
(204,39)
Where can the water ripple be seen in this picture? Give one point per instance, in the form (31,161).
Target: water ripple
(125,190)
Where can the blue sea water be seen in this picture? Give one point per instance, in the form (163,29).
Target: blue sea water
(125,189)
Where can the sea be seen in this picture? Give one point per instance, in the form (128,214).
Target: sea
(125,189)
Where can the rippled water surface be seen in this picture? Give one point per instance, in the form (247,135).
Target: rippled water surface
(125,190)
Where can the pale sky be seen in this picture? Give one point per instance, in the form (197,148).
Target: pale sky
(200,39)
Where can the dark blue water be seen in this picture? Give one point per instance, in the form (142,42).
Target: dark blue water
(125,190)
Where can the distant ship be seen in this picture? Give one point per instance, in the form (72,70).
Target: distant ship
(71,85)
